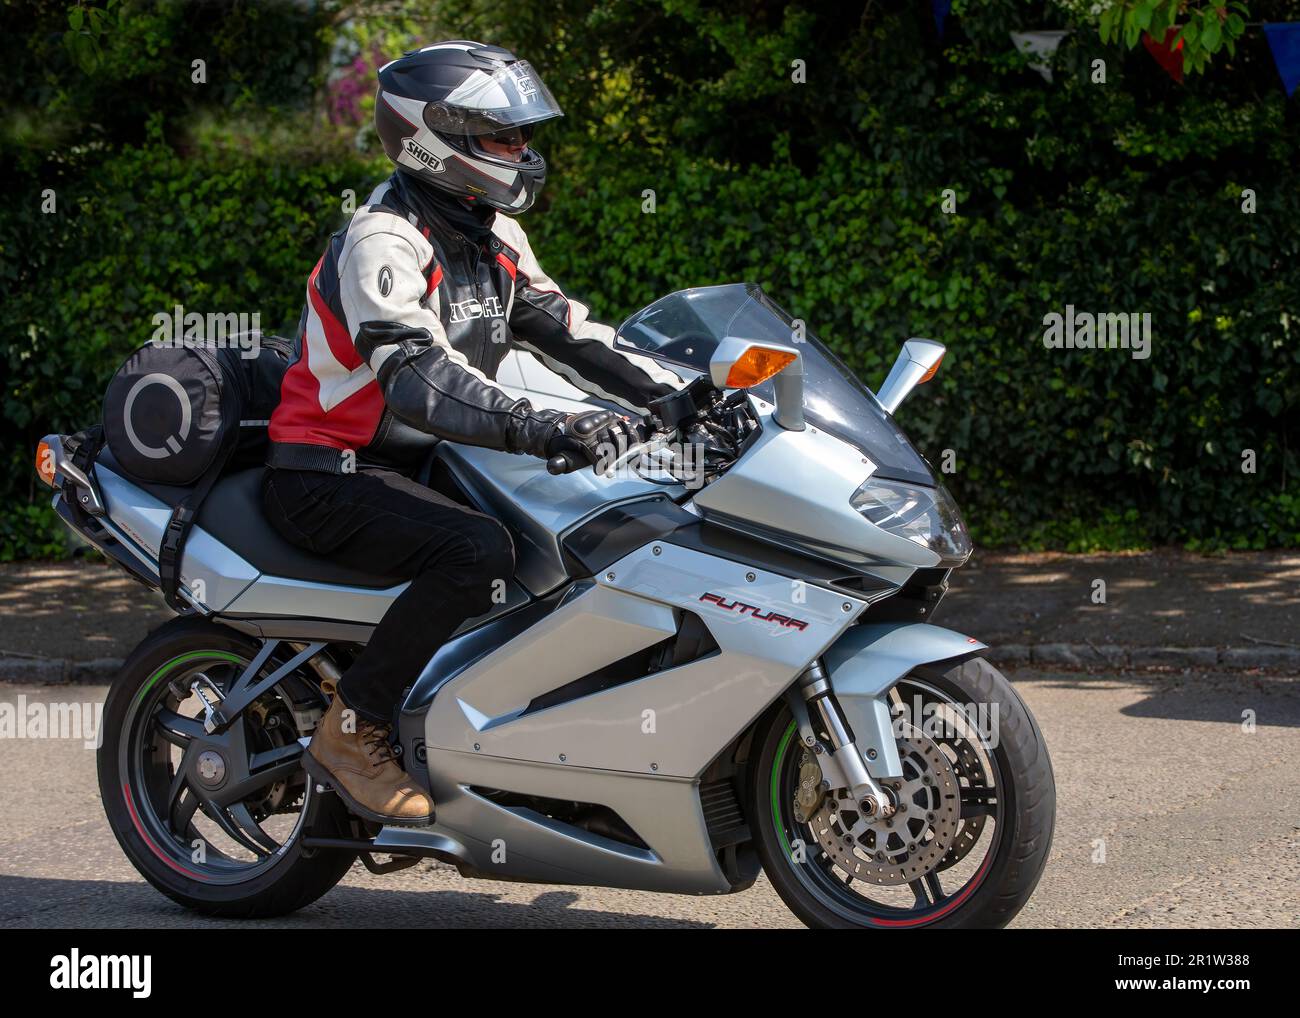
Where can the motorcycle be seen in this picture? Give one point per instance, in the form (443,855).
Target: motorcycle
(716,658)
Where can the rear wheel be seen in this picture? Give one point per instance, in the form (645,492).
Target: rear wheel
(975,810)
(214,822)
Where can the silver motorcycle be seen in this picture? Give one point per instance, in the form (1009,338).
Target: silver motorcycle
(716,658)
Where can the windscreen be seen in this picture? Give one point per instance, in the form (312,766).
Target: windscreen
(685,327)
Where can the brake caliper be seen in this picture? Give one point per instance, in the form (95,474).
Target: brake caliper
(808,796)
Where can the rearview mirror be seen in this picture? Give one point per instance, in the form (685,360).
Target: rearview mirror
(917,362)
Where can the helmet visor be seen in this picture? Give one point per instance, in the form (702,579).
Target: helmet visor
(510,97)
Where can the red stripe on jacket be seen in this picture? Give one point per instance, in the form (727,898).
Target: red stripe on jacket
(435,277)
(351,423)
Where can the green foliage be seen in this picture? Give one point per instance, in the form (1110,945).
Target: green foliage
(86,24)
(33,531)
(1120,197)
(1204,26)
(1123,197)
(172,208)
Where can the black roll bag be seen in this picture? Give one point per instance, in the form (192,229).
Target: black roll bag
(180,414)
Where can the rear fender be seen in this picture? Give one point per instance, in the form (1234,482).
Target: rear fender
(863,666)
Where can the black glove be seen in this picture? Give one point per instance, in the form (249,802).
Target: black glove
(530,430)
(596,436)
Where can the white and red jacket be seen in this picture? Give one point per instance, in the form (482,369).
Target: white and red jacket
(407,319)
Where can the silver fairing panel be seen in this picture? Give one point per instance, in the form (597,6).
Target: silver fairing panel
(801,483)
(638,748)
(538,507)
(211,574)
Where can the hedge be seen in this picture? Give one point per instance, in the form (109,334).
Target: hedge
(1112,198)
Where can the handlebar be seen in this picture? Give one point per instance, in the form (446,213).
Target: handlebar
(565,463)
(568,462)
(698,414)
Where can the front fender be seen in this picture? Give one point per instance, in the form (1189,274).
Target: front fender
(863,666)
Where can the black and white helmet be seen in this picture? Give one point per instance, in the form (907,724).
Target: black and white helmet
(437,106)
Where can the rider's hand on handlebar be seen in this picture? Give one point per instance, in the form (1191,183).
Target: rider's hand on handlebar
(593,437)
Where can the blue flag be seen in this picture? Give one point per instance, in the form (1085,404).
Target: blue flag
(941,9)
(1284,41)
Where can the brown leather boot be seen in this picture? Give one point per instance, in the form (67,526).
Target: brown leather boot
(361,767)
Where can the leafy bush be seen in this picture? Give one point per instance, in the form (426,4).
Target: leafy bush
(1126,196)
(147,231)
(1119,197)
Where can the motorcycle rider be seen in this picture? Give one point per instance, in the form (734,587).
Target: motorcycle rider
(409,312)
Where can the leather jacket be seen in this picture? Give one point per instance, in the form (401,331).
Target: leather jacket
(409,312)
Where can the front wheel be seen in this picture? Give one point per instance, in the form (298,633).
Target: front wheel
(975,808)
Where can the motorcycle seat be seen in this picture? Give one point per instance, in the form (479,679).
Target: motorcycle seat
(232,513)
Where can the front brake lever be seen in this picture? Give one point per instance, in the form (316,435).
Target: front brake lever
(653,444)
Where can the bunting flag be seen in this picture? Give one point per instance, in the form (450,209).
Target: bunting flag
(1284,41)
(941,9)
(1168,55)
(1039,44)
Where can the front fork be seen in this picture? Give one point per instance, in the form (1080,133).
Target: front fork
(838,758)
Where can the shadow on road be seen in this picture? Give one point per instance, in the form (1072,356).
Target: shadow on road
(80,904)
(1275,700)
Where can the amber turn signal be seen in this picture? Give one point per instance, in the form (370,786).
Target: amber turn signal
(931,373)
(45,463)
(756,365)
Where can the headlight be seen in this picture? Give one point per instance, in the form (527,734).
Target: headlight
(927,516)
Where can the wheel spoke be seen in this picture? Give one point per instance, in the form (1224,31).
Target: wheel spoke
(222,819)
(182,812)
(179,783)
(278,763)
(242,816)
(176,728)
(927,889)
(978,801)
(919,890)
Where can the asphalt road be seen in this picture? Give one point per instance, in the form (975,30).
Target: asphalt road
(1200,821)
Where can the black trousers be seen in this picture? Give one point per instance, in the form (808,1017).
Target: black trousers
(384,522)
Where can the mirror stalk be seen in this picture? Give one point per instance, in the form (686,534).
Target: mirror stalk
(917,362)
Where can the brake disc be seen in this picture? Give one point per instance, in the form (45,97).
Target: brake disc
(912,842)
(968,767)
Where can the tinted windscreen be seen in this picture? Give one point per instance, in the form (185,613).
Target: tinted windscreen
(686,326)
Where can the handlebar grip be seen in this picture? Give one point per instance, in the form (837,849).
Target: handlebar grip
(564,463)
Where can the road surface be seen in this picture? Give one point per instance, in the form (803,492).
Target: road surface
(1199,817)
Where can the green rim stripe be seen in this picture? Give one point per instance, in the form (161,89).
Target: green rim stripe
(210,654)
(776,799)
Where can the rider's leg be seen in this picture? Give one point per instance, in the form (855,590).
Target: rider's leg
(383,522)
